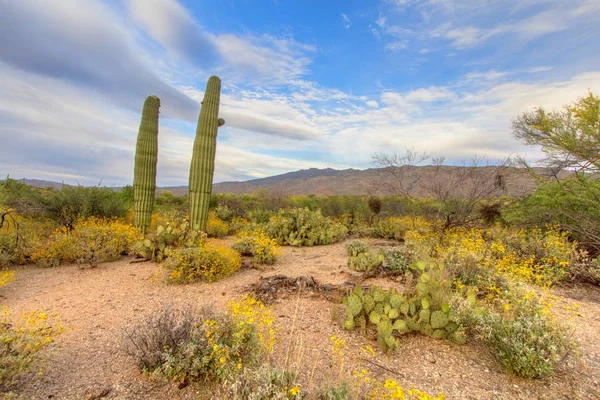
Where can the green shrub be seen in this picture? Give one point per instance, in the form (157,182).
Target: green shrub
(340,392)
(302,227)
(397,259)
(265,383)
(525,338)
(208,263)
(72,203)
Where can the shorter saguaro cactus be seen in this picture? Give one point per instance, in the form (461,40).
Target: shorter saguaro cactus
(144,171)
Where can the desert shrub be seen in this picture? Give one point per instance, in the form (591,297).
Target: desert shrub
(355,247)
(265,383)
(21,198)
(260,216)
(73,203)
(238,225)
(341,391)
(216,227)
(302,227)
(208,262)
(585,269)
(398,258)
(257,244)
(91,241)
(397,227)
(22,340)
(167,201)
(525,338)
(189,345)
(158,245)
(537,256)
(223,212)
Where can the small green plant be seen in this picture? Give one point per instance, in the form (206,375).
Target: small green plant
(340,392)
(208,263)
(257,244)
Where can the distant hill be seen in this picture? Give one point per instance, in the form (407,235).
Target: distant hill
(374,181)
(38,183)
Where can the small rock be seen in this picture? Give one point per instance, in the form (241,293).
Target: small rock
(97,392)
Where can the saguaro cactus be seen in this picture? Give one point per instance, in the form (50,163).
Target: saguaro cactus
(203,157)
(144,171)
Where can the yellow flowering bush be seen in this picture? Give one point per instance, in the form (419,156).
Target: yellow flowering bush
(397,227)
(363,384)
(250,312)
(92,241)
(189,345)
(209,262)
(6,277)
(216,227)
(22,339)
(534,256)
(257,244)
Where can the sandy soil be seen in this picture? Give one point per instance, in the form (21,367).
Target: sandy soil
(88,361)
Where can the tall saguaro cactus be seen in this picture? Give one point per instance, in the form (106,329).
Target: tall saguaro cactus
(203,157)
(144,171)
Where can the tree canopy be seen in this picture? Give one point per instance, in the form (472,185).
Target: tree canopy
(570,138)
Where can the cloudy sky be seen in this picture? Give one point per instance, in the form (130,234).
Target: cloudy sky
(307,83)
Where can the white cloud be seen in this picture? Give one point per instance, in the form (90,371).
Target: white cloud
(490,75)
(263,59)
(347,22)
(396,46)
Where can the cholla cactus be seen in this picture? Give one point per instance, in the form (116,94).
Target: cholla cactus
(144,172)
(203,157)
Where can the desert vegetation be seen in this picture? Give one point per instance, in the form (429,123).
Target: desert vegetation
(468,267)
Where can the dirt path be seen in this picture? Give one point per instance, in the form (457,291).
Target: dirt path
(88,360)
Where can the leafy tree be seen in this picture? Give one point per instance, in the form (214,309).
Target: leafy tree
(570,138)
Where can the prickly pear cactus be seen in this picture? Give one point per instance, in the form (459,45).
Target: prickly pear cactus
(439,319)
(391,314)
(144,170)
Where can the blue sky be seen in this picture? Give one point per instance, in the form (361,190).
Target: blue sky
(305,83)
